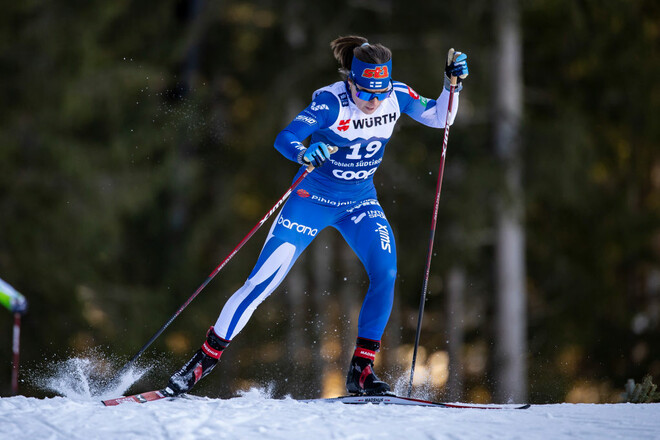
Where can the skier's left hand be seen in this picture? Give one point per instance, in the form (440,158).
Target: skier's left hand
(456,66)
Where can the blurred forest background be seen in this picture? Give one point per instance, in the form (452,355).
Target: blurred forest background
(136,152)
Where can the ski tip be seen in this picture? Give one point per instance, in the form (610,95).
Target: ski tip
(524,406)
(140,398)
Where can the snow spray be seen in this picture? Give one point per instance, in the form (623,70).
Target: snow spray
(86,377)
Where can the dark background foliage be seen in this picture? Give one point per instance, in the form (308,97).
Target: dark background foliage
(136,152)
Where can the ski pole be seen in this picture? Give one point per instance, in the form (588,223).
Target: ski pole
(224,262)
(427,270)
(15,349)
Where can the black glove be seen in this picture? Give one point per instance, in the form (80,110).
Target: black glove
(456,66)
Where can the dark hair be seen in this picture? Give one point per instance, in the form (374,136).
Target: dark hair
(343,48)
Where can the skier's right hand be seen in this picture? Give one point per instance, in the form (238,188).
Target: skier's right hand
(316,154)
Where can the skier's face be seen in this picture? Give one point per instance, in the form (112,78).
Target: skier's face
(372,102)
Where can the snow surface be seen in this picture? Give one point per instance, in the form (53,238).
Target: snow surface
(256,415)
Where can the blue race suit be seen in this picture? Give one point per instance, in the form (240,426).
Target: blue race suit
(340,194)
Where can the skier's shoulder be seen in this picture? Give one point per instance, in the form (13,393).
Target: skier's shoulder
(327,103)
(399,85)
(403,90)
(335,95)
(408,98)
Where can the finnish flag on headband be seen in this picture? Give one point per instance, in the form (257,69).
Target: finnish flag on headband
(371,76)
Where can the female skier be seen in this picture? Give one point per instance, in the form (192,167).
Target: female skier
(357,115)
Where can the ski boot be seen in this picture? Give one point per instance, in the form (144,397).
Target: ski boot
(361,378)
(199,366)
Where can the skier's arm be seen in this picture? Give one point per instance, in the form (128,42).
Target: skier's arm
(321,113)
(431,112)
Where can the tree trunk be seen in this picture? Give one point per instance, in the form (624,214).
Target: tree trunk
(455,314)
(510,363)
(181,177)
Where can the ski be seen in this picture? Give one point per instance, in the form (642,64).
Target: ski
(148,396)
(392,399)
(385,399)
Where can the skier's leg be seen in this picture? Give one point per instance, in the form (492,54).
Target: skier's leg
(369,233)
(292,231)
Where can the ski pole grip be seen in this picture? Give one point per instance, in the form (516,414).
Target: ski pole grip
(454,79)
(332,149)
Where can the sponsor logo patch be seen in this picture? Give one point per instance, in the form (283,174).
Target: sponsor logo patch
(294,226)
(343,124)
(353,175)
(306,119)
(376,214)
(317,107)
(378,72)
(302,193)
(374,121)
(384,237)
(365,353)
(368,202)
(358,218)
(413,93)
(372,214)
(343,97)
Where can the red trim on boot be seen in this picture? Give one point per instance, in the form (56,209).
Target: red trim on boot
(197,372)
(210,351)
(364,353)
(212,329)
(363,377)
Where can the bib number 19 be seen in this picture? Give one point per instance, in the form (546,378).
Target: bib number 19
(371,149)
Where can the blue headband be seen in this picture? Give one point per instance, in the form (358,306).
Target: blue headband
(371,76)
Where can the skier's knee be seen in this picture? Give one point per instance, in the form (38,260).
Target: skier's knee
(385,276)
